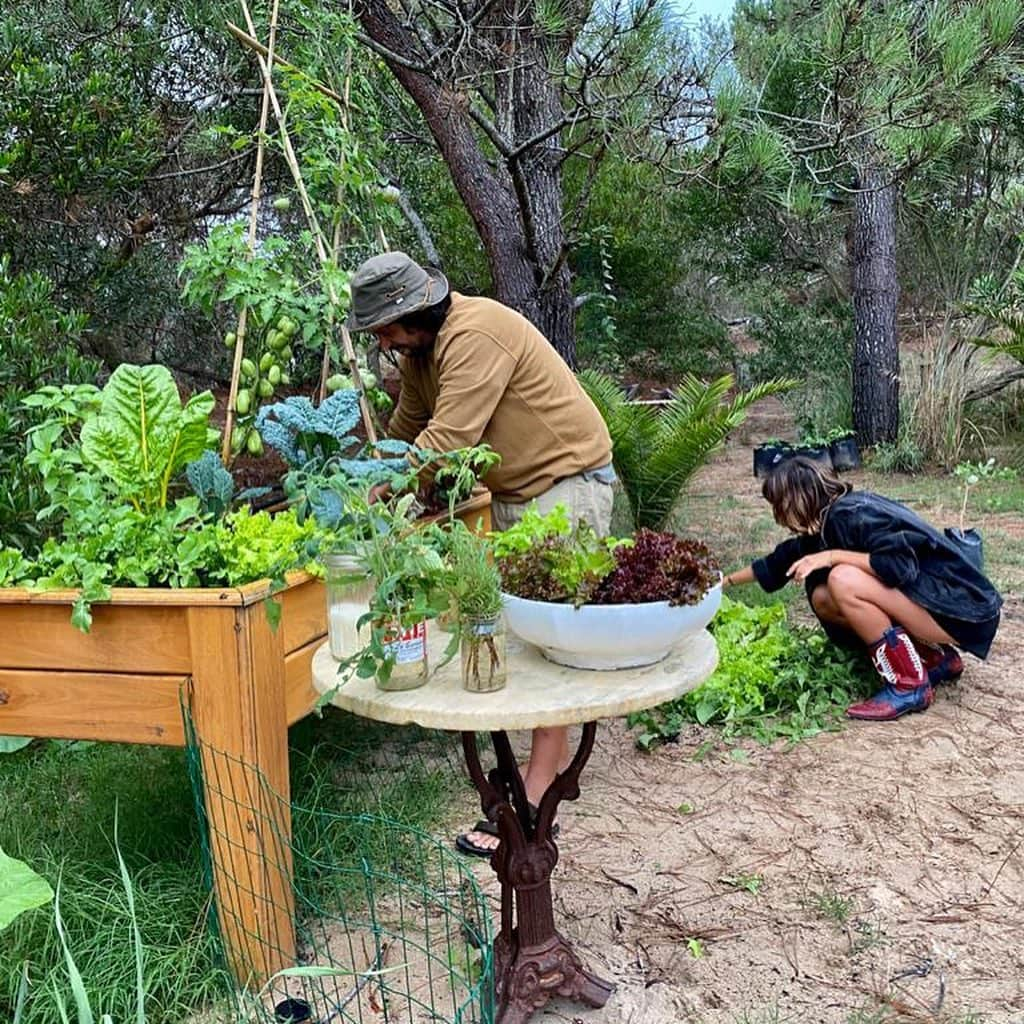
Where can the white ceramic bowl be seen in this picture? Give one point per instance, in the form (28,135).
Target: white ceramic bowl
(608,636)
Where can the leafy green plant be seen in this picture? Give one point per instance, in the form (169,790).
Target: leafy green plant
(837,434)
(39,343)
(21,889)
(109,491)
(457,473)
(214,486)
(545,558)
(142,436)
(530,529)
(656,452)
(403,557)
(474,580)
(773,681)
(318,438)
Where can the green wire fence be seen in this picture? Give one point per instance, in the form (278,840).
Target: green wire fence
(390,925)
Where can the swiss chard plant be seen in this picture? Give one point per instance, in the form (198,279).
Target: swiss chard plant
(142,436)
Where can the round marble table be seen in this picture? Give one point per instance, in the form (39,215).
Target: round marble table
(533,962)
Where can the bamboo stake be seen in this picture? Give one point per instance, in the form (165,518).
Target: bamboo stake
(253,44)
(318,237)
(254,209)
(325,362)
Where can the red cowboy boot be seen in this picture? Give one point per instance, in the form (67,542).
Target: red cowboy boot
(906,682)
(941,661)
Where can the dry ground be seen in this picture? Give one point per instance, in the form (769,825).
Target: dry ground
(873,874)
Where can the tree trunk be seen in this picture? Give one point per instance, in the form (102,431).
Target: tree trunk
(515,201)
(876,357)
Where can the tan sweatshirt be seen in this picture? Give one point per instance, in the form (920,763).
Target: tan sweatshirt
(493,378)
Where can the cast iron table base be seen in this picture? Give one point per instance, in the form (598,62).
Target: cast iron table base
(532,962)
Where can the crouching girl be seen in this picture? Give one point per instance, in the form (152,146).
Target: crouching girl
(879,576)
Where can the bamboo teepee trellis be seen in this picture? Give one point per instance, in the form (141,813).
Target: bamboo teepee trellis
(267,58)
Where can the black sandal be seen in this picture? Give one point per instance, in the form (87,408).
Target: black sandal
(466,845)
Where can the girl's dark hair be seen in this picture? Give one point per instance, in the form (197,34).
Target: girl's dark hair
(799,491)
(429,318)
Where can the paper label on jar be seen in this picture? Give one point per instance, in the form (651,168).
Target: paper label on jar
(410,646)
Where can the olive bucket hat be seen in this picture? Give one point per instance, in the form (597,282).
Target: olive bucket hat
(388,286)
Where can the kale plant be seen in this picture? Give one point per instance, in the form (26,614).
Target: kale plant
(307,437)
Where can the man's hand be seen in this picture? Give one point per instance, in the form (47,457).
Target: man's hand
(379,492)
(803,567)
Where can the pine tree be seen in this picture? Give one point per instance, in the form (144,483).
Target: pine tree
(860,96)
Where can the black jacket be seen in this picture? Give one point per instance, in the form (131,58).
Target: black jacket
(905,552)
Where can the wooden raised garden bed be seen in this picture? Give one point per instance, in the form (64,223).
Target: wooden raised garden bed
(152,651)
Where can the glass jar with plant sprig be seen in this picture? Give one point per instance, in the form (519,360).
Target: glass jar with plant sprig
(476,593)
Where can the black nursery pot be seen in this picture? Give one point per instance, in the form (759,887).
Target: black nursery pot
(819,455)
(845,454)
(293,1011)
(768,456)
(970,545)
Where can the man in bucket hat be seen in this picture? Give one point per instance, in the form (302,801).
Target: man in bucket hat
(476,372)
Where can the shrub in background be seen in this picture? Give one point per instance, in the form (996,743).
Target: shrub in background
(657,451)
(934,414)
(817,342)
(39,344)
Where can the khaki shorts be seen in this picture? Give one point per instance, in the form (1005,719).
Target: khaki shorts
(589,500)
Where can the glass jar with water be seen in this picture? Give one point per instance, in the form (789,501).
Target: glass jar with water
(349,589)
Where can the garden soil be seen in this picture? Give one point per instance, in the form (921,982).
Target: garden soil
(871,874)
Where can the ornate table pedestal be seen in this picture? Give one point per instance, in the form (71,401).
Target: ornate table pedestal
(533,962)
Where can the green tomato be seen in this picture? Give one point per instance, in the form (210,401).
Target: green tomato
(285,354)
(229,339)
(275,339)
(381,400)
(274,374)
(266,361)
(286,378)
(287,326)
(238,435)
(369,380)
(254,444)
(265,388)
(338,382)
(282,203)
(243,402)
(248,368)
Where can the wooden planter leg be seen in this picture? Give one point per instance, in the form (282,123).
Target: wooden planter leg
(239,715)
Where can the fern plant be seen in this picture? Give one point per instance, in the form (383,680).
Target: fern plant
(657,451)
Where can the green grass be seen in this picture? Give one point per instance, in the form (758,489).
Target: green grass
(57,806)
